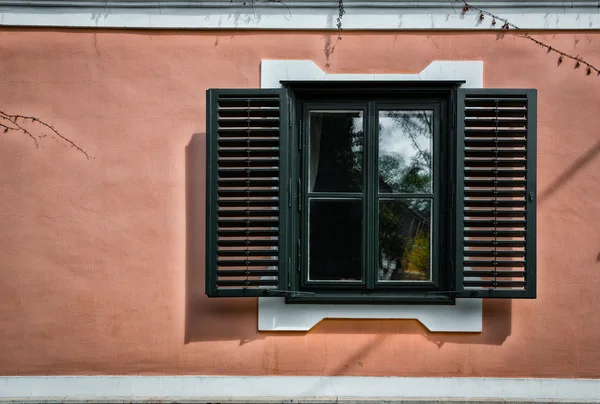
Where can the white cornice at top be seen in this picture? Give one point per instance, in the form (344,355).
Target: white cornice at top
(297,14)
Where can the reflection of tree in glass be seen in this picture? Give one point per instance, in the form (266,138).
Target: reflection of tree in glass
(395,173)
(404,234)
(405,164)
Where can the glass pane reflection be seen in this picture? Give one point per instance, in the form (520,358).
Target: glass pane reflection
(405,143)
(405,240)
(336,151)
(335,245)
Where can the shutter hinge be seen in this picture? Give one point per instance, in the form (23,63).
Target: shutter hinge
(298,255)
(299,195)
(289,273)
(290,192)
(453,193)
(300,135)
(290,111)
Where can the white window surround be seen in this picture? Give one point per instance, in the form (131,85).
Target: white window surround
(274,314)
(298,14)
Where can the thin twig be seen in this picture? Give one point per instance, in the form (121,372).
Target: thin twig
(341,12)
(508,25)
(20,128)
(13,118)
(7,128)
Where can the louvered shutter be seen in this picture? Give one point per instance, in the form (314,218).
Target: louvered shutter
(496,193)
(246,205)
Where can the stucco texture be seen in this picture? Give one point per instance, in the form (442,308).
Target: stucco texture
(102,260)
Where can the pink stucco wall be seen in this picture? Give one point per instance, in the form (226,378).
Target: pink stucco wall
(101,260)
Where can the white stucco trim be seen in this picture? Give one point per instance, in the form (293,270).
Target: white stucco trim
(273,71)
(297,15)
(274,314)
(276,388)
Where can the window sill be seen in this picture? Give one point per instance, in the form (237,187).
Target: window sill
(275,315)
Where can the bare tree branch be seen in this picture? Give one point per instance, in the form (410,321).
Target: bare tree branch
(508,25)
(14,118)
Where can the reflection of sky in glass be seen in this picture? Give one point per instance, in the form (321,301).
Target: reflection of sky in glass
(357,127)
(393,137)
(405,144)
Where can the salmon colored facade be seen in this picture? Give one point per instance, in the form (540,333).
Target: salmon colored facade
(102,260)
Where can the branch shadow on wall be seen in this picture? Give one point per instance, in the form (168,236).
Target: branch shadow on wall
(208,319)
(566,175)
(496,327)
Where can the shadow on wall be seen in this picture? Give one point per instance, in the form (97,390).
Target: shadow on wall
(497,325)
(236,318)
(580,163)
(208,319)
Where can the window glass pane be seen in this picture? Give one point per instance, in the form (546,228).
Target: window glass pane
(336,151)
(335,245)
(405,240)
(405,143)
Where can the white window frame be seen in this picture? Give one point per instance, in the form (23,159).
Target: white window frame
(274,314)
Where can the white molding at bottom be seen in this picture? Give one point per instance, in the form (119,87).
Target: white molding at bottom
(274,314)
(173,388)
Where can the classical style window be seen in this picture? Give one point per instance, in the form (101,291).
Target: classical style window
(364,192)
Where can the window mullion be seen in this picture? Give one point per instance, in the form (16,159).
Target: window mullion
(371,180)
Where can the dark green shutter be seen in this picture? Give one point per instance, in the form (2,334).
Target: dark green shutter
(496,193)
(247,186)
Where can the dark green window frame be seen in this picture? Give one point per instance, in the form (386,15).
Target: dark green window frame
(439,98)
(484,165)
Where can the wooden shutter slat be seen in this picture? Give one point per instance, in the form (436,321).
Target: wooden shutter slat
(245,182)
(246,284)
(248,232)
(243,173)
(495,284)
(486,183)
(249,223)
(494,263)
(497,253)
(494,233)
(248,162)
(494,243)
(245,253)
(494,213)
(247,262)
(247,192)
(498,274)
(248,213)
(494,223)
(264,243)
(495,203)
(242,273)
(240,203)
(482,153)
(490,203)
(499,163)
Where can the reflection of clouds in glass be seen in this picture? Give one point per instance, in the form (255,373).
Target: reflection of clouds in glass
(405,144)
(357,128)
(357,124)
(394,137)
